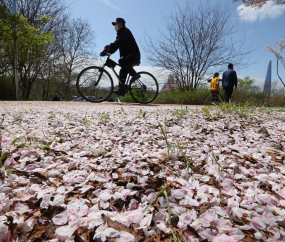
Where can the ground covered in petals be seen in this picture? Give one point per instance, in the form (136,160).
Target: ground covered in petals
(101,172)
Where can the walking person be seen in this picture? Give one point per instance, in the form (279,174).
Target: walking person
(215,88)
(229,81)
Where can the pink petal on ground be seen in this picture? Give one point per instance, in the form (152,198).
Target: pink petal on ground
(163,227)
(6,205)
(104,204)
(110,232)
(85,188)
(4,232)
(282,192)
(221,212)
(258,223)
(21,208)
(60,219)
(58,200)
(135,216)
(223,238)
(236,233)
(223,224)
(177,194)
(227,183)
(125,193)
(125,237)
(63,232)
(237,211)
(270,200)
(45,201)
(77,203)
(159,216)
(146,220)
(263,177)
(275,231)
(189,201)
(151,196)
(133,204)
(258,235)
(83,210)
(282,203)
(207,234)
(245,227)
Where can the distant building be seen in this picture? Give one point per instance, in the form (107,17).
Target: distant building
(267,83)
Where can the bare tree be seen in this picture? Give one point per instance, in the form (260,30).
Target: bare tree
(75,48)
(279,55)
(196,40)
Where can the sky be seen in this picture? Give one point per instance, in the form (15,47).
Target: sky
(258,27)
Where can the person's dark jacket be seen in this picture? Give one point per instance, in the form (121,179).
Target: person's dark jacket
(229,78)
(126,43)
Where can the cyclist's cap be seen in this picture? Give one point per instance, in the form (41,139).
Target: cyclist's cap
(119,20)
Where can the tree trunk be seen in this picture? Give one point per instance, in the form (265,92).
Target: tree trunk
(24,87)
(66,95)
(44,93)
(29,88)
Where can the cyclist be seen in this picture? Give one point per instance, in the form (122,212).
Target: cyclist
(129,53)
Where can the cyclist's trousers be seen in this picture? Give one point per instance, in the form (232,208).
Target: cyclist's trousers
(126,64)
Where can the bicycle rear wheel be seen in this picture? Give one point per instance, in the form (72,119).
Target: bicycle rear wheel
(145,89)
(94,84)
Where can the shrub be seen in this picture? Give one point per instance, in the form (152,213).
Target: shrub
(247,92)
(178,96)
(7,87)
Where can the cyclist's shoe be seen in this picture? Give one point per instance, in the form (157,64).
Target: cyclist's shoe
(120,92)
(134,78)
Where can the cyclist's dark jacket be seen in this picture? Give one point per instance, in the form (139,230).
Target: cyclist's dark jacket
(126,43)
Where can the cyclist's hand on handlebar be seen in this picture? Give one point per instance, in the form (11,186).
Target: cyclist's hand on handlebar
(103,53)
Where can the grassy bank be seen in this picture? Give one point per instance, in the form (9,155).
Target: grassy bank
(247,92)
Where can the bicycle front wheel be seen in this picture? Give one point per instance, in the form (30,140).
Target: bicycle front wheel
(145,89)
(94,84)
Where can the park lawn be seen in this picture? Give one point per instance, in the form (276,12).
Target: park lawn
(117,172)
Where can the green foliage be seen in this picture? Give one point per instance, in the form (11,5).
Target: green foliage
(179,113)
(177,96)
(242,110)
(206,111)
(32,43)
(174,231)
(3,157)
(142,113)
(127,98)
(103,117)
(138,94)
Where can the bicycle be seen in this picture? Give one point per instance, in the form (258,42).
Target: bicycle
(95,84)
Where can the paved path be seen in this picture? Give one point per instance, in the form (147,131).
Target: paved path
(50,104)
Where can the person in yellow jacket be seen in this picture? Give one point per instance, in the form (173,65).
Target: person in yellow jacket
(215,88)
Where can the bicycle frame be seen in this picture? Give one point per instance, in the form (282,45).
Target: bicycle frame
(112,68)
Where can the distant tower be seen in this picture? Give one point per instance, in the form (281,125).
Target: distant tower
(267,83)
